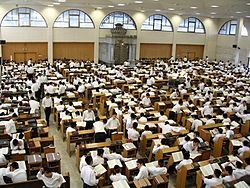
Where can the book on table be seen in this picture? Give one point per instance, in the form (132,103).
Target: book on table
(99,169)
(208,169)
(120,184)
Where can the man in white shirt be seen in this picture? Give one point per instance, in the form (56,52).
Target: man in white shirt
(50,89)
(16,144)
(71,128)
(133,134)
(239,171)
(230,177)
(49,178)
(158,147)
(146,131)
(210,120)
(146,100)
(158,170)
(192,146)
(219,135)
(89,115)
(88,174)
(196,123)
(30,71)
(16,174)
(100,133)
(35,88)
(113,123)
(34,105)
(81,89)
(208,110)
(143,171)
(178,107)
(117,176)
(185,161)
(47,105)
(62,88)
(229,132)
(98,159)
(244,148)
(216,180)
(10,126)
(163,117)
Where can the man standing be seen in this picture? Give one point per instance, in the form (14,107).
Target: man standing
(47,105)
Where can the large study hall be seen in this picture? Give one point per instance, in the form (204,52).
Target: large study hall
(124,94)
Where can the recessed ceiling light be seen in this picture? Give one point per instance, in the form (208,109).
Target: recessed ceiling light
(157,10)
(213,12)
(99,8)
(142,10)
(50,5)
(156,0)
(193,7)
(238,12)
(138,2)
(214,6)
(121,4)
(248,4)
(171,9)
(111,6)
(197,13)
(56,3)
(247,16)
(61,1)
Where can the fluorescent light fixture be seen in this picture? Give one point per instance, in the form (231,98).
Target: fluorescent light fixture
(213,12)
(138,2)
(214,6)
(157,10)
(50,5)
(99,8)
(197,13)
(247,16)
(56,3)
(156,0)
(248,4)
(238,12)
(121,4)
(193,7)
(171,9)
(111,6)
(142,10)
(61,1)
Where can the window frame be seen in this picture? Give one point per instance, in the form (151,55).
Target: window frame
(153,18)
(17,12)
(67,20)
(185,24)
(112,21)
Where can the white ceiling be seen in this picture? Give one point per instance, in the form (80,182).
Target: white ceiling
(226,9)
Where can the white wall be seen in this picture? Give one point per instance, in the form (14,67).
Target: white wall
(216,46)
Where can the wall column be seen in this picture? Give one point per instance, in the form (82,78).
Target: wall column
(174,45)
(237,40)
(50,44)
(96,45)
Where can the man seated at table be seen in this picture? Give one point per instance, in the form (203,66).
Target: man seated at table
(143,171)
(158,147)
(113,123)
(16,144)
(146,131)
(71,128)
(185,161)
(89,117)
(146,100)
(220,134)
(214,181)
(159,169)
(117,176)
(16,174)
(100,133)
(49,178)
(244,148)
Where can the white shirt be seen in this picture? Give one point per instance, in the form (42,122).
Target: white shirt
(50,89)
(112,156)
(113,123)
(2,159)
(146,101)
(88,115)
(189,146)
(212,182)
(207,110)
(18,175)
(228,178)
(47,102)
(62,89)
(143,173)
(34,87)
(177,108)
(81,89)
(242,150)
(166,128)
(157,148)
(163,118)
(99,127)
(183,162)
(34,105)
(30,70)
(118,177)
(145,133)
(10,126)
(143,119)
(210,121)
(229,133)
(97,160)
(133,134)
(158,171)
(88,176)
(217,136)
(238,173)
(196,123)
(82,163)
(69,130)
(55,181)
(20,141)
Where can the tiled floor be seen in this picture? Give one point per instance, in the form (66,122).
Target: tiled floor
(68,164)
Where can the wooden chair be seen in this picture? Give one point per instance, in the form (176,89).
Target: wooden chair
(49,150)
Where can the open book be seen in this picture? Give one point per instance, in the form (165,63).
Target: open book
(151,165)
(208,170)
(236,143)
(120,184)
(112,163)
(99,169)
(177,156)
(128,146)
(22,151)
(4,150)
(131,164)
(241,184)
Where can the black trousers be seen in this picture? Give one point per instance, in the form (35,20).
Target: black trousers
(87,186)
(100,137)
(47,114)
(38,95)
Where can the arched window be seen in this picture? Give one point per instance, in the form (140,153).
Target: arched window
(157,22)
(191,25)
(117,17)
(74,18)
(229,28)
(23,17)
